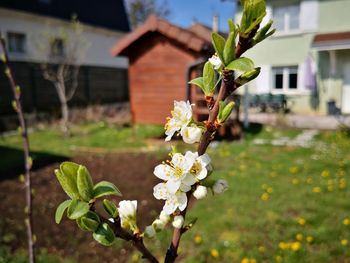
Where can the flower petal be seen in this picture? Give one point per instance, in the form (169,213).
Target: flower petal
(160,191)
(163,171)
(173,186)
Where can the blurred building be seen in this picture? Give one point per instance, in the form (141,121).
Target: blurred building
(163,57)
(308,58)
(102,78)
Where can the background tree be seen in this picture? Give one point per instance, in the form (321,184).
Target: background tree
(139,10)
(63,53)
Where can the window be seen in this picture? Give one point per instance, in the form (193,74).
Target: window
(57,47)
(285,79)
(286,18)
(16,42)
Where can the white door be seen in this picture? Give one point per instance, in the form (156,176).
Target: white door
(345,106)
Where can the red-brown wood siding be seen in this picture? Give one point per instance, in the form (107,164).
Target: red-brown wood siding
(157,77)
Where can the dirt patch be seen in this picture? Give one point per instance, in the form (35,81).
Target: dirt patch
(132,173)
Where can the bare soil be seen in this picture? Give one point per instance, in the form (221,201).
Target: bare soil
(132,173)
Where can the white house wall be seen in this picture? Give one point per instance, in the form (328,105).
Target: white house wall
(100,40)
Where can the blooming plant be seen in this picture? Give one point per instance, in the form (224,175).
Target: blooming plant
(185,175)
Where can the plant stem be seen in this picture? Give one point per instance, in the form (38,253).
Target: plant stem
(228,86)
(27,159)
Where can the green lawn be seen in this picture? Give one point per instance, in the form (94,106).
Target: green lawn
(285,204)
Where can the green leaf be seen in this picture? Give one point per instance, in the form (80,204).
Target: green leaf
(231,26)
(224,111)
(89,222)
(198,82)
(262,33)
(105,188)
(219,44)
(104,235)
(77,209)
(60,210)
(229,49)
(241,64)
(253,13)
(209,79)
(84,183)
(110,208)
(68,184)
(248,76)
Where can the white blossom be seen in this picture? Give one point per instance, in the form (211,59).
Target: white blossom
(127,214)
(200,168)
(220,186)
(215,61)
(172,200)
(191,135)
(181,117)
(176,172)
(200,192)
(150,232)
(178,221)
(164,217)
(158,225)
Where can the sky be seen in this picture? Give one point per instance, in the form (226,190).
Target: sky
(184,12)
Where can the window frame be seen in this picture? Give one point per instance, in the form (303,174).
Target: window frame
(286,72)
(287,18)
(22,36)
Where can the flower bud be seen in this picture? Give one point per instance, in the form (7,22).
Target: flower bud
(220,186)
(164,217)
(178,222)
(191,135)
(200,192)
(158,225)
(127,213)
(150,232)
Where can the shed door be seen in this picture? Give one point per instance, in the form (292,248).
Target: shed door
(346,90)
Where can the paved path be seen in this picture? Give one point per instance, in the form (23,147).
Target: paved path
(299,121)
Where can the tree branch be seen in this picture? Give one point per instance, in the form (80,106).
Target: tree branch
(27,159)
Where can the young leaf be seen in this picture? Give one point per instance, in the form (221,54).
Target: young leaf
(198,82)
(209,79)
(110,208)
(229,49)
(231,26)
(89,224)
(68,184)
(253,13)
(60,210)
(81,225)
(104,235)
(105,188)
(225,111)
(219,44)
(84,183)
(241,64)
(248,76)
(262,33)
(77,209)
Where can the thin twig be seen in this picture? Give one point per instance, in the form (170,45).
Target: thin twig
(228,86)
(27,159)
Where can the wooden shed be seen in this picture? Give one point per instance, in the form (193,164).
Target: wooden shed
(161,57)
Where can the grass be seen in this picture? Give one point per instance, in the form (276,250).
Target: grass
(285,204)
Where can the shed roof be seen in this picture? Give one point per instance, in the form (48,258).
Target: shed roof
(185,37)
(332,41)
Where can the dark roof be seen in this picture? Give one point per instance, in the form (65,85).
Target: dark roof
(184,37)
(109,14)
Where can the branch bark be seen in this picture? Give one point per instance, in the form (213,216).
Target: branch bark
(228,86)
(27,160)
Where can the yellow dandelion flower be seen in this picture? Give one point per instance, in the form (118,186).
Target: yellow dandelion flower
(316,189)
(197,239)
(293,170)
(135,258)
(295,246)
(283,245)
(269,190)
(245,260)
(299,237)
(252,260)
(346,221)
(295,181)
(278,258)
(301,221)
(344,242)
(214,253)
(309,239)
(341,173)
(325,173)
(265,197)
(309,180)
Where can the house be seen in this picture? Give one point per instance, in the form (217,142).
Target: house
(102,78)
(162,58)
(308,58)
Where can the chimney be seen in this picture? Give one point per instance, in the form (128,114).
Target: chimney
(215,23)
